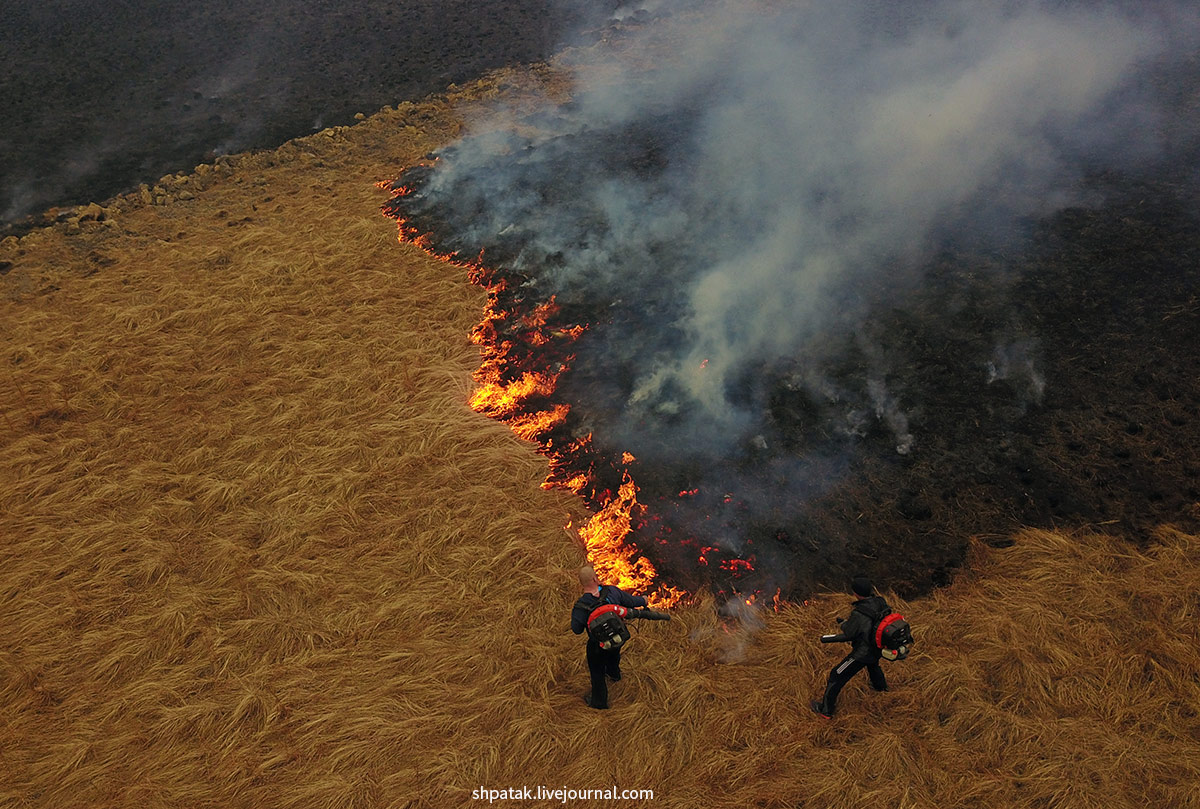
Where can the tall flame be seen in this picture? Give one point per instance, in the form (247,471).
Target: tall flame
(604,538)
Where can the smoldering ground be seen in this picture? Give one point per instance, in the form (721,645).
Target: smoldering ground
(765,223)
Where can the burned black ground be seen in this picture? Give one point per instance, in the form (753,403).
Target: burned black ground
(99,98)
(1050,383)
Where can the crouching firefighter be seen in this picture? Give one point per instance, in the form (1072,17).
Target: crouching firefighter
(874,632)
(601,611)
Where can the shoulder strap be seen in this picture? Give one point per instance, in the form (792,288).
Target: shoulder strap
(874,616)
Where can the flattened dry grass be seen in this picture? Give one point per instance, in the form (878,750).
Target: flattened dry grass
(255,550)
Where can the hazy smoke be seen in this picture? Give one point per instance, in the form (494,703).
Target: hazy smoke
(100,97)
(738,209)
(1013,361)
(788,232)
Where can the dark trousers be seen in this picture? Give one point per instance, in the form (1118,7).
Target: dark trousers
(841,675)
(601,662)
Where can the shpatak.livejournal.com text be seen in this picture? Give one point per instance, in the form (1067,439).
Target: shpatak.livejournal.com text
(560,794)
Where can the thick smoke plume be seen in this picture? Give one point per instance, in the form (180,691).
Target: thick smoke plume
(730,206)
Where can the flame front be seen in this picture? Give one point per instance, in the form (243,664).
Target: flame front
(521,397)
(604,538)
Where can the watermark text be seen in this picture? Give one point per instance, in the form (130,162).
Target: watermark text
(560,794)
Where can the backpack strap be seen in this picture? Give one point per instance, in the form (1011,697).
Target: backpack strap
(873,617)
(876,621)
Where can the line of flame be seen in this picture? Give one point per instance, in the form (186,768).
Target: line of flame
(606,532)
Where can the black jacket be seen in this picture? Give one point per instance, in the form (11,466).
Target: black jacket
(857,628)
(609,594)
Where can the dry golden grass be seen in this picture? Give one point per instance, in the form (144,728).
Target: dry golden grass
(258,552)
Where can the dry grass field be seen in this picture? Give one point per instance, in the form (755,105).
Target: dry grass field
(257,551)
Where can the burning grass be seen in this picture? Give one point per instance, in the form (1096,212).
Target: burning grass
(525,347)
(827,409)
(258,551)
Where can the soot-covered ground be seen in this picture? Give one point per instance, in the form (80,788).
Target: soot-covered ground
(1052,384)
(101,97)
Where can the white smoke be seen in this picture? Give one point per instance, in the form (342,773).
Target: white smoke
(835,150)
(1013,361)
(803,161)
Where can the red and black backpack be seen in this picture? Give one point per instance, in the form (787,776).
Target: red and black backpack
(890,633)
(606,625)
(892,636)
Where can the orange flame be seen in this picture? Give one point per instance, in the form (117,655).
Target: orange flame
(503,399)
(604,537)
(530,425)
(505,395)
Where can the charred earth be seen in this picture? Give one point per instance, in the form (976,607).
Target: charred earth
(101,98)
(1051,383)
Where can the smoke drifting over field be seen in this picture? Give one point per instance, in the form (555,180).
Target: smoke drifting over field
(736,223)
(783,173)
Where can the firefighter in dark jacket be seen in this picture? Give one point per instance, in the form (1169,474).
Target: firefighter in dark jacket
(856,630)
(601,662)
